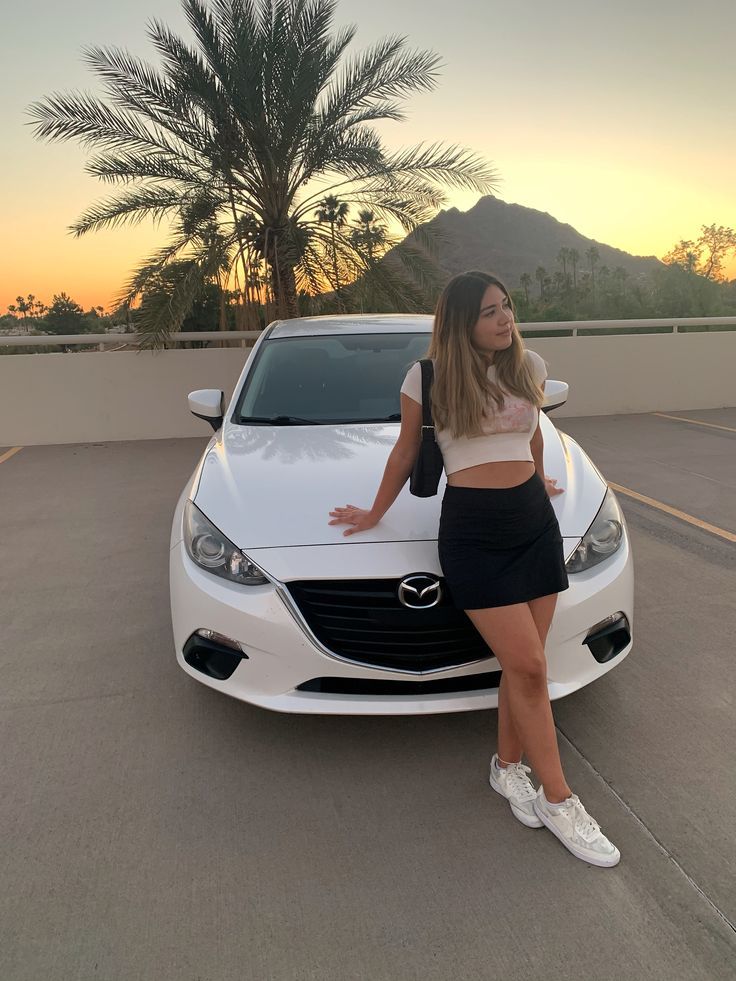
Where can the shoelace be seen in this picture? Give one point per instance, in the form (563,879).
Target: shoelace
(584,825)
(518,782)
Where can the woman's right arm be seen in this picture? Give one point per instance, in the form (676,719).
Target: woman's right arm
(398,468)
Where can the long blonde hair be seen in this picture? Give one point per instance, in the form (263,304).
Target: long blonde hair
(462,392)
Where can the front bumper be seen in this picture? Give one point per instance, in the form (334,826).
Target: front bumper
(281,654)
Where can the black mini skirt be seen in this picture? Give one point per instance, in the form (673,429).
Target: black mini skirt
(500,545)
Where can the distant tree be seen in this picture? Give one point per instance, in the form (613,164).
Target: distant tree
(333,212)
(574,257)
(369,235)
(594,257)
(562,256)
(620,275)
(685,254)
(717,243)
(64,316)
(27,307)
(526,282)
(705,256)
(21,307)
(541,275)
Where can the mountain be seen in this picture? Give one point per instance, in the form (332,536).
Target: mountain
(510,239)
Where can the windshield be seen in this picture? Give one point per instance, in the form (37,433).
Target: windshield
(328,379)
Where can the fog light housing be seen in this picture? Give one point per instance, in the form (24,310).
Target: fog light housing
(213,654)
(607,638)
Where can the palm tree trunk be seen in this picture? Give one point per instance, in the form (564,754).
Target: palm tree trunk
(283,282)
(334,266)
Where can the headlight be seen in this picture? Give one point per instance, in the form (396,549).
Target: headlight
(209,548)
(602,539)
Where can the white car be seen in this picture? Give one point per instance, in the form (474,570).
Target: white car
(273,605)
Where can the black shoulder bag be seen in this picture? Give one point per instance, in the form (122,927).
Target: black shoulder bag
(425,476)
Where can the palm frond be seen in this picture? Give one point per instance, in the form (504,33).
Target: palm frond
(130,207)
(123,166)
(383,71)
(452,164)
(132,84)
(147,270)
(80,116)
(169,299)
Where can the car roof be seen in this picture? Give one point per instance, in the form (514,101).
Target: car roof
(358,323)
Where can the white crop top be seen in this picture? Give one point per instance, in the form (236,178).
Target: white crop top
(506,433)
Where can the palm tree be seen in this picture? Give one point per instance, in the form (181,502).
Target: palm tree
(334,212)
(594,257)
(260,120)
(369,235)
(562,256)
(526,282)
(541,275)
(574,257)
(620,275)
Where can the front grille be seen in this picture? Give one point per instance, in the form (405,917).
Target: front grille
(379,686)
(362,620)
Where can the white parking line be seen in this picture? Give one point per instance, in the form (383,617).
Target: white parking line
(7,455)
(696,422)
(682,515)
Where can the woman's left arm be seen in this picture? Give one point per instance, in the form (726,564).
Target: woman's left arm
(536,444)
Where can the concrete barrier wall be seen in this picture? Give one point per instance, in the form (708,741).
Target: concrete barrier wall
(91,396)
(94,396)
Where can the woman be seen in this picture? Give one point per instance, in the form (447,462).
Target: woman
(499,542)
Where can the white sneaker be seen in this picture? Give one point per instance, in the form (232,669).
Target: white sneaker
(513,783)
(577,830)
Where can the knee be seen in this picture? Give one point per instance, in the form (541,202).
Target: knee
(527,671)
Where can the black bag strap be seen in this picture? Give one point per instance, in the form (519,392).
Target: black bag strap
(427,376)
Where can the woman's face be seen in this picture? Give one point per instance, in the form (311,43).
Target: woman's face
(494,329)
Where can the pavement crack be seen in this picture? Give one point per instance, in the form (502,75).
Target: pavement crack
(650,834)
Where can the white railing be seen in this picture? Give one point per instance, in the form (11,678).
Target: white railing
(47,340)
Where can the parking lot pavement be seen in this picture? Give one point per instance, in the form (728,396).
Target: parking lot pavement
(685,459)
(153,829)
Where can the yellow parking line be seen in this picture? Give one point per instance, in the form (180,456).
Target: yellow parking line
(713,529)
(696,422)
(9,453)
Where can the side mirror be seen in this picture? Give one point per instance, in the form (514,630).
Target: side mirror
(555,395)
(208,404)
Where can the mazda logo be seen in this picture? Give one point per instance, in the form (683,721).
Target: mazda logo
(420,592)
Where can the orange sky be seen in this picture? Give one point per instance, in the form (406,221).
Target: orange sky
(586,113)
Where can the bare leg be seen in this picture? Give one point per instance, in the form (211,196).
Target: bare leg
(510,748)
(511,632)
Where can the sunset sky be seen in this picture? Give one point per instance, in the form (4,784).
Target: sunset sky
(618,119)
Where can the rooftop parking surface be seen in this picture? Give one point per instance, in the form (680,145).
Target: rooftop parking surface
(155,829)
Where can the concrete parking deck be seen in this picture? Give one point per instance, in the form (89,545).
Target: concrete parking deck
(153,829)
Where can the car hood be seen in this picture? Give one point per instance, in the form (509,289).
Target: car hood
(274,486)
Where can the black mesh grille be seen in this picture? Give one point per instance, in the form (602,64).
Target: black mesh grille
(375,686)
(363,620)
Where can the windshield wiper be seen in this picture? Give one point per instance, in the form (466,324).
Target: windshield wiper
(298,421)
(281,420)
